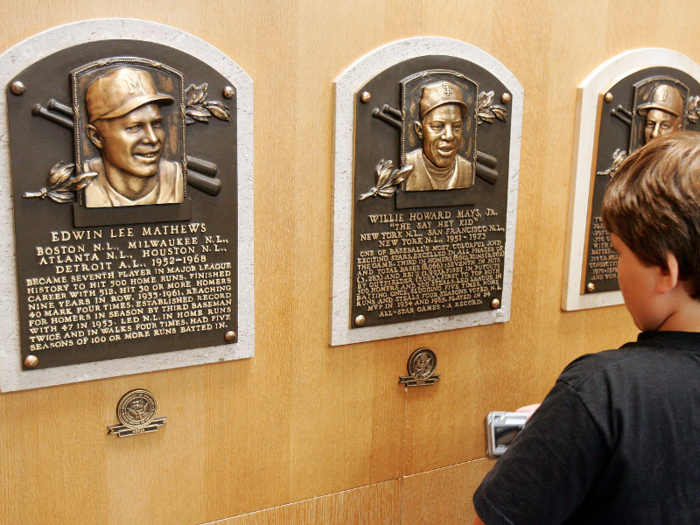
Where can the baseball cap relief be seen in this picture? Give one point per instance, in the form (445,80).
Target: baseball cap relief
(439,94)
(121,91)
(665,98)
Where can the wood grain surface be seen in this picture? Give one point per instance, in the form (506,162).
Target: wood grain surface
(378,504)
(302,420)
(442,495)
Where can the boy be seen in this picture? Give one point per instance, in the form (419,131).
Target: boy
(617,440)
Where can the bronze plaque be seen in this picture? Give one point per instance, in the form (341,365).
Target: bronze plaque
(634,110)
(124,174)
(432,149)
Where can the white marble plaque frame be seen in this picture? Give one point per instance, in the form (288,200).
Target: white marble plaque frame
(15,60)
(346,88)
(584,146)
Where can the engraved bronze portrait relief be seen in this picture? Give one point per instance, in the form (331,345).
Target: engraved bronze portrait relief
(130,132)
(626,103)
(433,184)
(439,130)
(125,189)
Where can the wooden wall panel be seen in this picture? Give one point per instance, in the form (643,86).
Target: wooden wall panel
(378,504)
(443,495)
(303,419)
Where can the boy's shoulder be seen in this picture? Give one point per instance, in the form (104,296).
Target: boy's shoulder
(653,355)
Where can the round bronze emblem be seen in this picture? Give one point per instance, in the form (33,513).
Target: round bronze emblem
(137,408)
(422,363)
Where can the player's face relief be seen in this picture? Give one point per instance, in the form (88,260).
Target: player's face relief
(441,133)
(133,143)
(660,123)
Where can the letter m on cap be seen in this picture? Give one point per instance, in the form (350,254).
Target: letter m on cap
(134,84)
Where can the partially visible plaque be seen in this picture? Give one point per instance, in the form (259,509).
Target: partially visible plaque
(624,104)
(127,160)
(425,190)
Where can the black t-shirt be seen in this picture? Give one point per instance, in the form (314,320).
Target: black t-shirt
(617,440)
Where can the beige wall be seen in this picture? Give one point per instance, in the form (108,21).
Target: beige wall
(303,420)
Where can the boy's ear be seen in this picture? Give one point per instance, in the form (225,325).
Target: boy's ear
(668,279)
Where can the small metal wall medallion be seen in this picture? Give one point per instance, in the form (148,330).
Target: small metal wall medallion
(425,190)
(623,105)
(136,411)
(421,366)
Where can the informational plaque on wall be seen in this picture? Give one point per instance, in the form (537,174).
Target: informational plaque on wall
(625,103)
(427,148)
(129,203)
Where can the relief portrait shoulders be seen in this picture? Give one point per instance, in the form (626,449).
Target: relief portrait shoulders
(168,189)
(420,179)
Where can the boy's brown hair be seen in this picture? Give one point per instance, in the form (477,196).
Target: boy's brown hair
(653,204)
